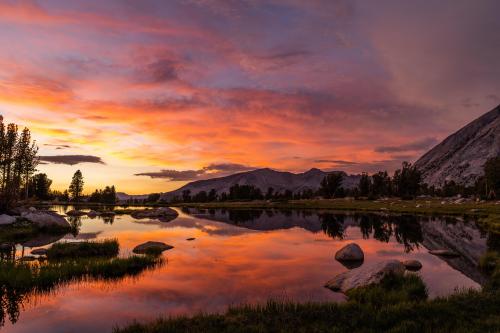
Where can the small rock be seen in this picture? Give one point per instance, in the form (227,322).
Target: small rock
(6,219)
(190,239)
(92,214)
(75,213)
(151,246)
(365,275)
(32,209)
(444,253)
(350,252)
(39,252)
(412,265)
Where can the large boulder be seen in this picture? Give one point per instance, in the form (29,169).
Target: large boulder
(43,219)
(162,213)
(365,275)
(152,247)
(6,219)
(350,252)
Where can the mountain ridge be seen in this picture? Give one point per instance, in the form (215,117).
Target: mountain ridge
(263,179)
(461,156)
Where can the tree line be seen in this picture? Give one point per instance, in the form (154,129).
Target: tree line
(406,183)
(40,189)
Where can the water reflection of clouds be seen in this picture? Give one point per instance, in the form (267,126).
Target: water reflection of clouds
(231,263)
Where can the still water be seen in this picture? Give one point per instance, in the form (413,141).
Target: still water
(244,256)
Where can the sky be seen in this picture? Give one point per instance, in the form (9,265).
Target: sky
(148,95)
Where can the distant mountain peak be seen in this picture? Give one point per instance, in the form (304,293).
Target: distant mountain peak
(263,179)
(461,156)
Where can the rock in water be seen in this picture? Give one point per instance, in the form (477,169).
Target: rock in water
(151,246)
(350,252)
(163,213)
(365,275)
(46,219)
(75,213)
(6,219)
(92,214)
(412,265)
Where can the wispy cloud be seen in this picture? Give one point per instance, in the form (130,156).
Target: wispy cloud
(419,145)
(210,171)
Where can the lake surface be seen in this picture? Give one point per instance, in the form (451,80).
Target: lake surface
(244,256)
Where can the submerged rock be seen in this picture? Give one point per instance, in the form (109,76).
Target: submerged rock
(412,265)
(6,219)
(163,213)
(365,275)
(150,246)
(47,219)
(350,252)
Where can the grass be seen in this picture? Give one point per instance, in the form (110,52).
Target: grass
(420,206)
(396,305)
(106,248)
(18,281)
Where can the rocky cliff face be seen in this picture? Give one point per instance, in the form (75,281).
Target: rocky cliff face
(461,156)
(263,179)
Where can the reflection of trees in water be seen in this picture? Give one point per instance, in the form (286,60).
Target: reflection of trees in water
(110,219)
(76,223)
(332,224)
(244,215)
(405,228)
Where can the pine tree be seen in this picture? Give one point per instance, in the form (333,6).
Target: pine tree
(76,186)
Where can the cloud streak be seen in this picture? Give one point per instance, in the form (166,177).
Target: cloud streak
(419,145)
(210,171)
(71,159)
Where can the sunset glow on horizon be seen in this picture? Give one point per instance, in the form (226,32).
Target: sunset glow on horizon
(148,95)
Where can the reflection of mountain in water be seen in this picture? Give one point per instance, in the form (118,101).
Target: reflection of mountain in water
(461,237)
(412,231)
(262,220)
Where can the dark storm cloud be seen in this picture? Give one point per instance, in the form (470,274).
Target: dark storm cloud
(71,159)
(210,171)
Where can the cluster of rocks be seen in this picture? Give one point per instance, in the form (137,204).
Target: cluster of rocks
(92,213)
(164,214)
(359,275)
(40,218)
